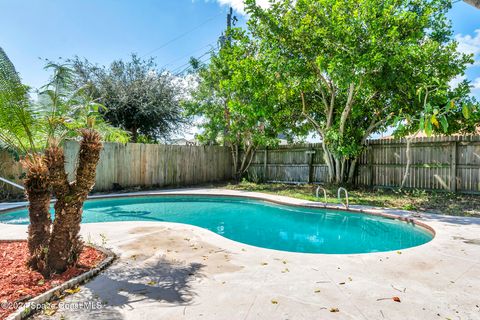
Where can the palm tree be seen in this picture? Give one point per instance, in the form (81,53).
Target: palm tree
(16,125)
(37,131)
(65,244)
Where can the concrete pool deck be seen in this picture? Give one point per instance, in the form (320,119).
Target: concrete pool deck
(177,271)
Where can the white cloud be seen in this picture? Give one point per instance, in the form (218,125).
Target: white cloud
(470,44)
(456,81)
(476,84)
(238,5)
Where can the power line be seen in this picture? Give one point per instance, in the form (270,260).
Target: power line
(231,19)
(182,35)
(190,68)
(187,65)
(190,54)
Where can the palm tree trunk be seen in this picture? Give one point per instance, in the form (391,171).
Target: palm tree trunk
(65,244)
(37,190)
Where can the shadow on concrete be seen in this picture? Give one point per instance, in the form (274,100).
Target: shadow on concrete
(130,286)
(161,281)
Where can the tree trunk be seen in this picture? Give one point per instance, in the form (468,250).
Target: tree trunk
(134,132)
(352,171)
(38,194)
(65,244)
(340,169)
(234,153)
(241,164)
(329,161)
(338,173)
(408,156)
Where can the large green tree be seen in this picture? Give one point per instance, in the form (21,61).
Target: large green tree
(138,97)
(236,100)
(354,67)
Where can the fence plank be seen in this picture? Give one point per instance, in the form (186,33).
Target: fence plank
(143,165)
(440,163)
(437,163)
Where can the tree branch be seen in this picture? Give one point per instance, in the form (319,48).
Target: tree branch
(252,153)
(322,77)
(234,157)
(324,99)
(373,125)
(244,158)
(348,108)
(330,110)
(304,112)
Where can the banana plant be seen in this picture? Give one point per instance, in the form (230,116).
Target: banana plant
(441,110)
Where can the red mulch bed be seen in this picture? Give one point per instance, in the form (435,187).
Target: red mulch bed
(19,283)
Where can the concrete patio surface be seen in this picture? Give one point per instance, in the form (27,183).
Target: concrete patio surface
(177,271)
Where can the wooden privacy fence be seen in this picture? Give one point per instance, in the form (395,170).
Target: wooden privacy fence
(148,165)
(437,163)
(440,163)
(11,170)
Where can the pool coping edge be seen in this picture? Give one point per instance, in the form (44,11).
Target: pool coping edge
(263,197)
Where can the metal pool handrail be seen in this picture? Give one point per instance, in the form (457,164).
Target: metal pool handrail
(339,192)
(12,183)
(324,193)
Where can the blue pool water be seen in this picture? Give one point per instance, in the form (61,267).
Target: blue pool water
(259,223)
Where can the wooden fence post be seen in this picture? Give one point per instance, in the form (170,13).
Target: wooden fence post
(439,161)
(265,165)
(453,167)
(370,165)
(310,153)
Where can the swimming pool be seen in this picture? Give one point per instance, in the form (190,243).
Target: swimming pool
(259,223)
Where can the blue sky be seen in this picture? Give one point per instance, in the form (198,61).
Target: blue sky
(104,30)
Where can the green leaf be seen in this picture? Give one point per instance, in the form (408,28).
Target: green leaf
(450,106)
(434,121)
(428,128)
(466,111)
(444,122)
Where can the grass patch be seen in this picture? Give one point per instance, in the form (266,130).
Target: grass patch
(415,200)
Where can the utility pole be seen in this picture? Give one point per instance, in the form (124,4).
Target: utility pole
(475,3)
(231,20)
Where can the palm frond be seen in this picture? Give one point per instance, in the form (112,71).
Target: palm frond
(16,118)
